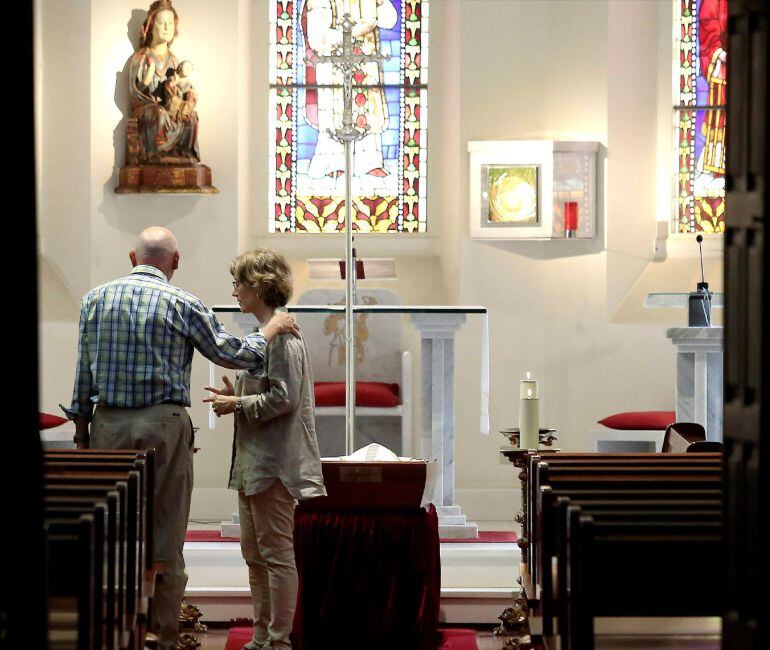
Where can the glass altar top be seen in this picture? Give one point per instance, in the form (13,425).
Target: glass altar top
(675,300)
(368,309)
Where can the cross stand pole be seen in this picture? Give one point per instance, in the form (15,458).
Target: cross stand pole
(347,62)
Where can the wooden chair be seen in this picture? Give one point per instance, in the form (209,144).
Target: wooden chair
(680,435)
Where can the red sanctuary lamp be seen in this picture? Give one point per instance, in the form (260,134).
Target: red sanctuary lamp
(570,219)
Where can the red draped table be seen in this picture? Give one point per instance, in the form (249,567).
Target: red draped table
(368,578)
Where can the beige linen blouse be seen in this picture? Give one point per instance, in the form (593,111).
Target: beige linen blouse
(275,432)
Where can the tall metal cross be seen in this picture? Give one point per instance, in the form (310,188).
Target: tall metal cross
(347,62)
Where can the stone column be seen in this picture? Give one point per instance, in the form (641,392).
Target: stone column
(437,336)
(699,377)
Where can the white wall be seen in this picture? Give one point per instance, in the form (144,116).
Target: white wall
(563,71)
(499,70)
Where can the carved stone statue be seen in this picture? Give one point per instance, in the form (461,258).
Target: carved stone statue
(162,132)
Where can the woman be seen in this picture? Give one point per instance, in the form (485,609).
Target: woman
(276,457)
(166,137)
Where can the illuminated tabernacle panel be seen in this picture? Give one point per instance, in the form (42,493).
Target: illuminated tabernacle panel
(700,114)
(307,184)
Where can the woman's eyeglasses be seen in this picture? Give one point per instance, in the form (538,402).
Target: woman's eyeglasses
(236,284)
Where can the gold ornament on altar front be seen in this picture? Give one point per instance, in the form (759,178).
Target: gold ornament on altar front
(334,329)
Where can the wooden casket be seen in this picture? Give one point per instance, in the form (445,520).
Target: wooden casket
(372,484)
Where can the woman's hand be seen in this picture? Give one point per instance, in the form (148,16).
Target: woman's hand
(227,390)
(223,401)
(222,404)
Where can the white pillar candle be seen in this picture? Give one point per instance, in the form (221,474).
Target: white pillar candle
(529,422)
(528,385)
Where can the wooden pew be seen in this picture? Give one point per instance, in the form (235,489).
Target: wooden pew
(75,547)
(109,587)
(134,559)
(671,460)
(117,460)
(639,498)
(615,463)
(117,492)
(117,485)
(142,460)
(667,576)
(633,473)
(612,506)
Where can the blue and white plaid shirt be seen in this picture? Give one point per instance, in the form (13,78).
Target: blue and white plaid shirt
(136,342)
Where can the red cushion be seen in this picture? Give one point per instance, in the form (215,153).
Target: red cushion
(48,421)
(368,393)
(635,420)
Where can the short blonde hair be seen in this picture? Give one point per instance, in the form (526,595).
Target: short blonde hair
(267,271)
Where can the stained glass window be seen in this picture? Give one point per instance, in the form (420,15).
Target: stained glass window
(701,115)
(307,188)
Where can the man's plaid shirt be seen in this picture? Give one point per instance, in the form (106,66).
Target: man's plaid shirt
(136,342)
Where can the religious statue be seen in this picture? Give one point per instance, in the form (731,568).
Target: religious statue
(162,132)
(321,23)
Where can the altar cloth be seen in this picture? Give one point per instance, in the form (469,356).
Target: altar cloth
(367,579)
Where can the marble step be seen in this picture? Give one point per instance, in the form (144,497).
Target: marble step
(468,530)
(452,523)
(464,565)
(230,529)
(447,520)
(466,606)
(451,527)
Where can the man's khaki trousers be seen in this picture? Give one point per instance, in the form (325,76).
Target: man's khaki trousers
(167,428)
(267,545)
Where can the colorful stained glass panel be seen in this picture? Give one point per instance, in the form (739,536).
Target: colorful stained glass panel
(389,102)
(701,116)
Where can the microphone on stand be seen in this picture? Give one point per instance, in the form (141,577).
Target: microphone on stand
(699,303)
(699,239)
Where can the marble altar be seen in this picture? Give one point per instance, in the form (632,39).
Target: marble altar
(438,326)
(699,377)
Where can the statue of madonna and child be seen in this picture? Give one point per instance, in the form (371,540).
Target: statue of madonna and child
(162,131)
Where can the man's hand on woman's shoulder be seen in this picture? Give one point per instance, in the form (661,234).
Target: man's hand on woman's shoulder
(281,323)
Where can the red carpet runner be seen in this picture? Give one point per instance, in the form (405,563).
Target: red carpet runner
(451,639)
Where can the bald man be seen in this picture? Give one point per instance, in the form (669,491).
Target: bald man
(135,350)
